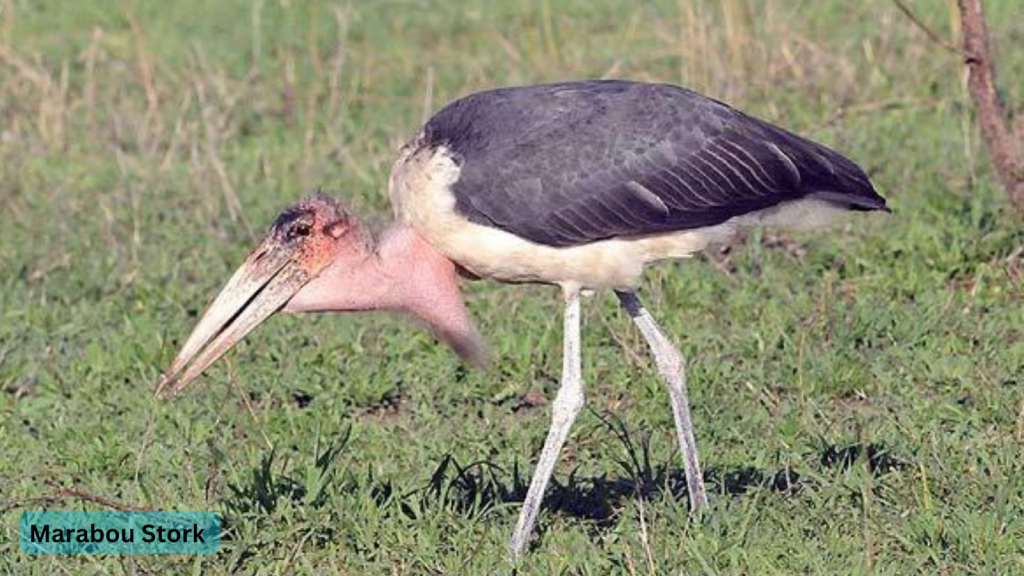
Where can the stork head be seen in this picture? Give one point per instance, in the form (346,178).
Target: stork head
(304,240)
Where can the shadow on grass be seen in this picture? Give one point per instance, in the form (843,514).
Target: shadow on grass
(478,487)
(482,485)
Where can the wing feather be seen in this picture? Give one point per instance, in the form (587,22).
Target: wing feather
(571,163)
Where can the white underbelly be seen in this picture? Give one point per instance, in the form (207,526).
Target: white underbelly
(420,190)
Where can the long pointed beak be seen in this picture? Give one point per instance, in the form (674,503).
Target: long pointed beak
(267,279)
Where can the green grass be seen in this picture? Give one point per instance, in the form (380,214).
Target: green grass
(857,392)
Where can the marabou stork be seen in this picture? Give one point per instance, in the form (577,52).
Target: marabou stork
(575,184)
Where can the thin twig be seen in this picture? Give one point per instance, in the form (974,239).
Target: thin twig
(635,359)
(931,34)
(40,79)
(645,539)
(428,95)
(843,112)
(146,75)
(89,89)
(248,405)
(147,439)
(73,494)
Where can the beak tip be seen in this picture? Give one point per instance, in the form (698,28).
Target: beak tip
(264,283)
(161,387)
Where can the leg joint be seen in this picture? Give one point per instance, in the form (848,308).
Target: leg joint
(669,359)
(568,403)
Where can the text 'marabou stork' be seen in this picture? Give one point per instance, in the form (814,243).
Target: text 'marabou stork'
(577,184)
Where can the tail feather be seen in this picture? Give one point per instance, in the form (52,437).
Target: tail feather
(857,202)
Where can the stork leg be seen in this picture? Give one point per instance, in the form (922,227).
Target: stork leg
(564,409)
(672,367)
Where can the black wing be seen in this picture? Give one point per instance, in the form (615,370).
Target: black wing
(571,163)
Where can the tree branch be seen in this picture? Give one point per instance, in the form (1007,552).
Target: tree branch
(981,82)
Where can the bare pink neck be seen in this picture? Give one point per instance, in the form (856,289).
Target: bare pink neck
(404,274)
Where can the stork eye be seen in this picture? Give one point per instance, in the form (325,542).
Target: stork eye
(299,230)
